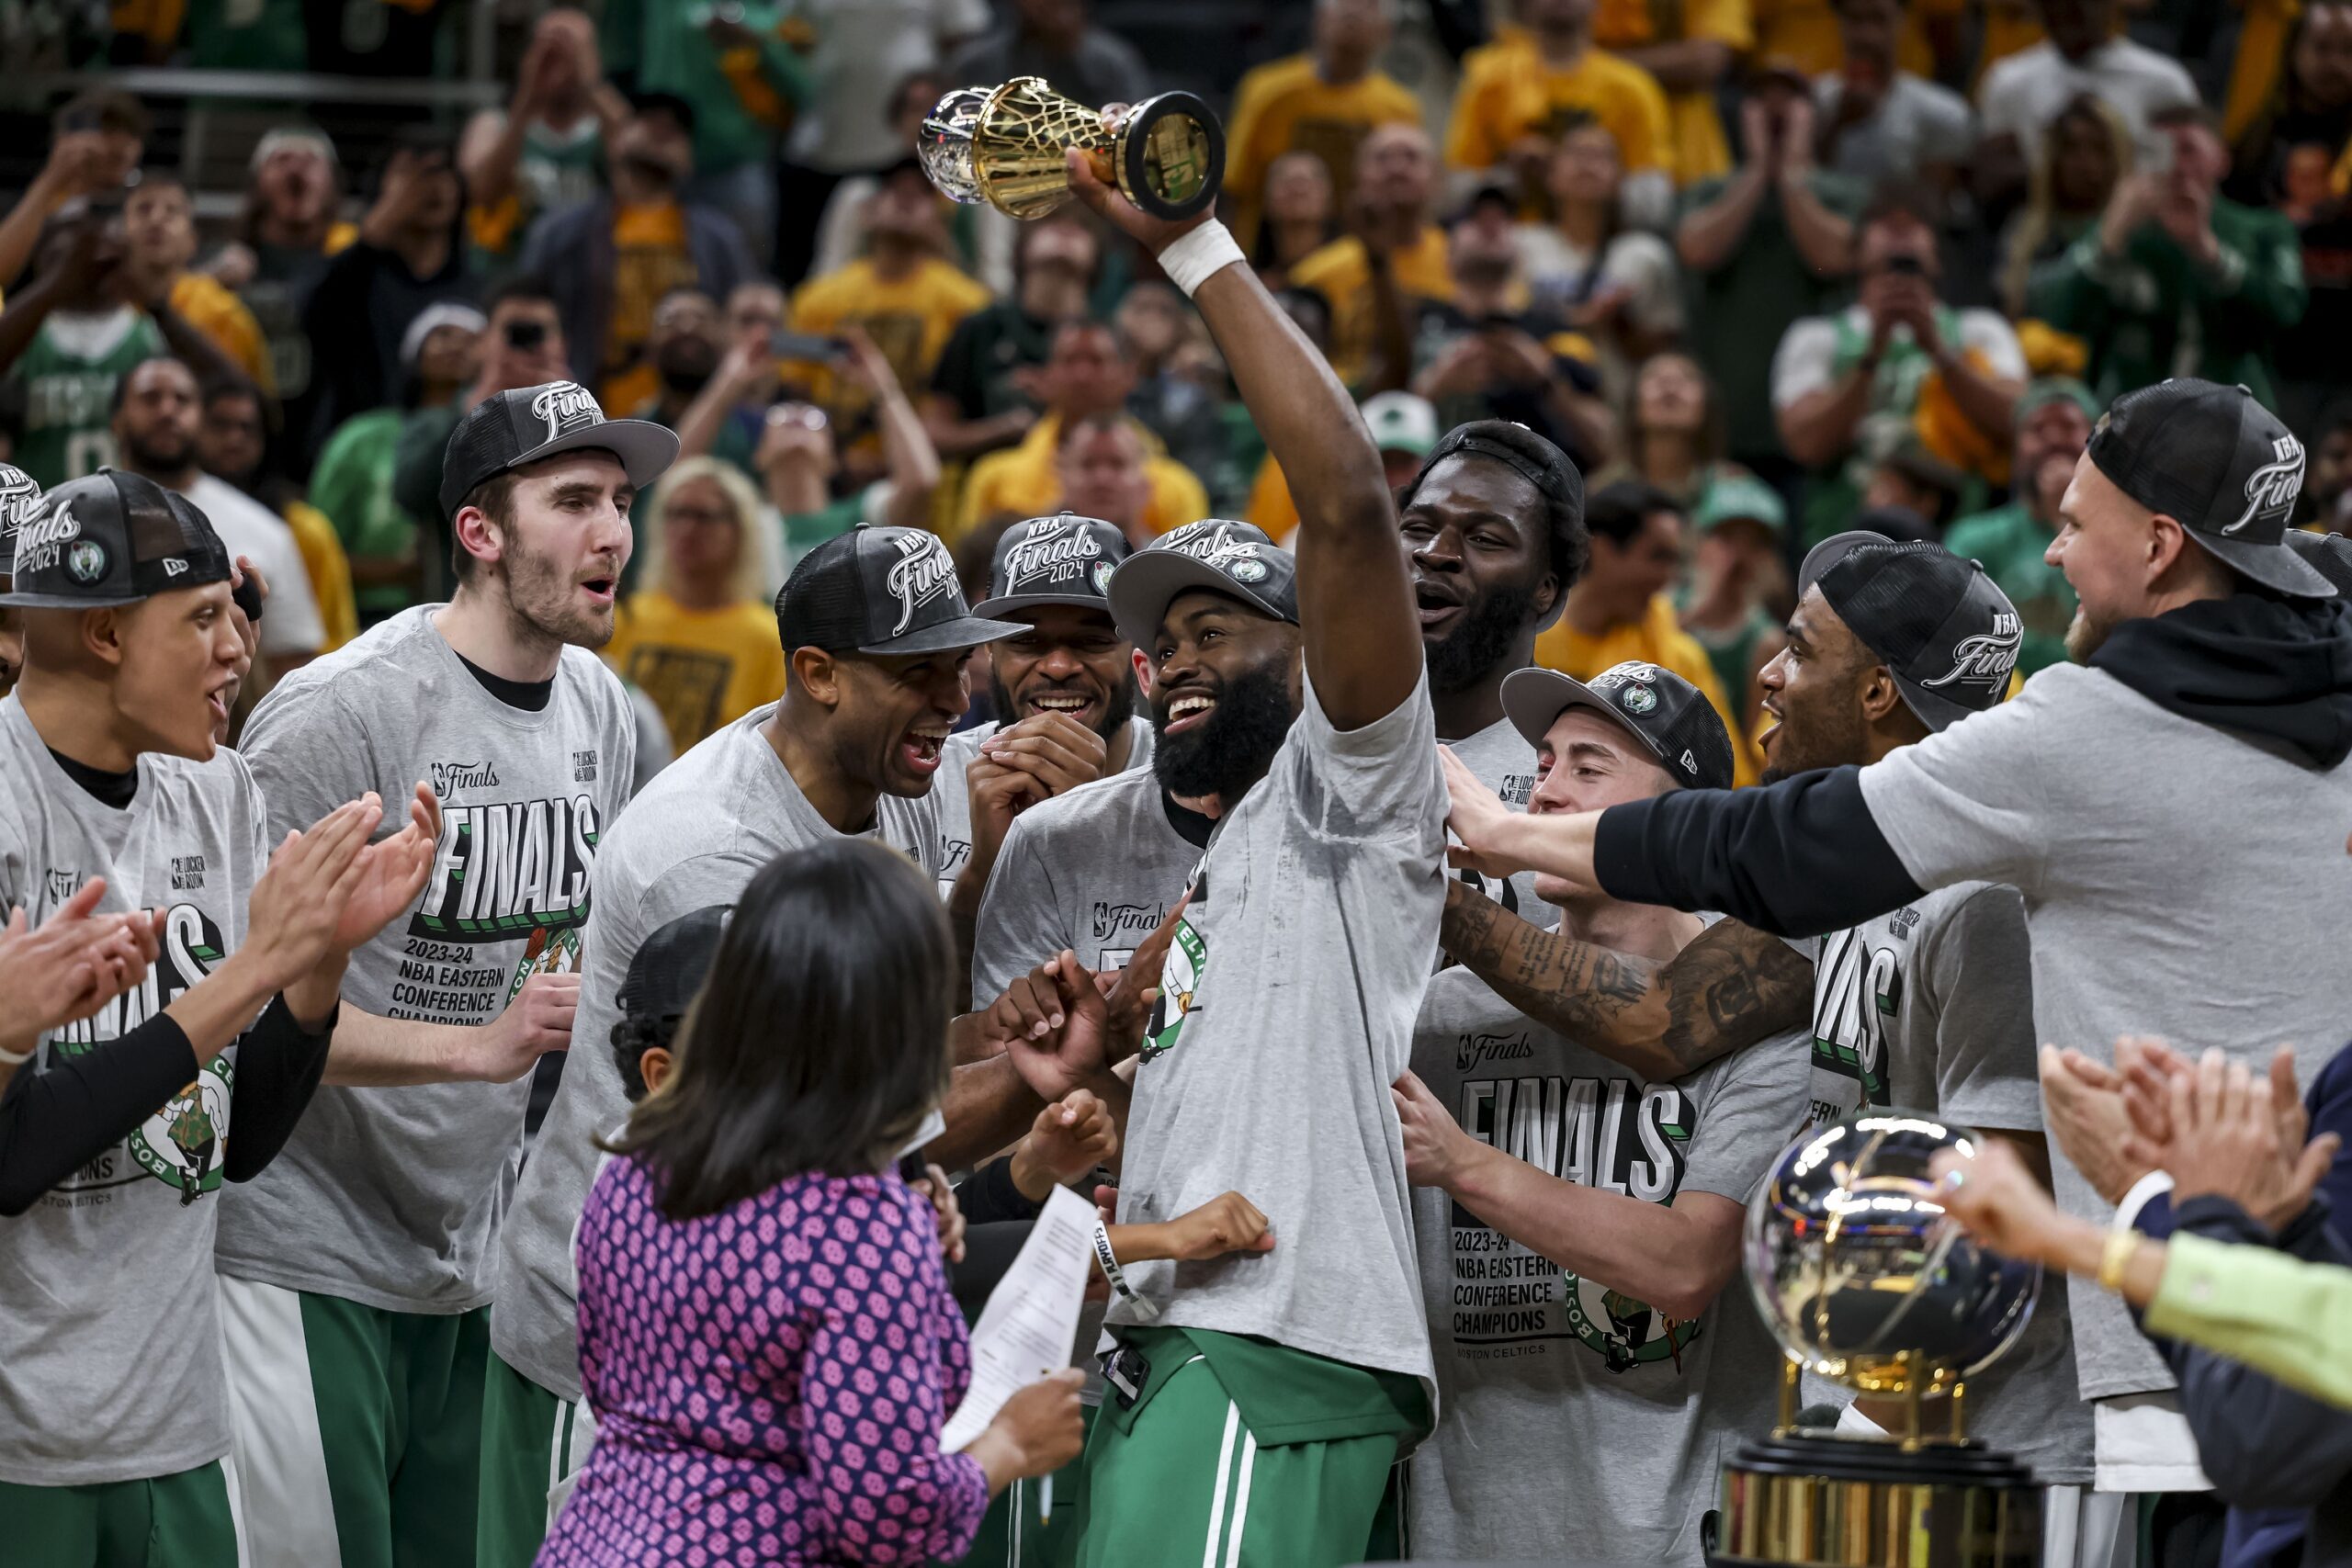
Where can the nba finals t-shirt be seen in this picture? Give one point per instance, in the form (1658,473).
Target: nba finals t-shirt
(390,1197)
(1504,761)
(109,1330)
(1569,1411)
(703,828)
(952,789)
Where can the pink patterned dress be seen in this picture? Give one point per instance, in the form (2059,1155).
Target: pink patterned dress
(769,1382)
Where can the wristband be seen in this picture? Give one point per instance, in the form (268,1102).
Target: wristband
(1117,1276)
(10,1059)
(1197,254)
(2115,1257)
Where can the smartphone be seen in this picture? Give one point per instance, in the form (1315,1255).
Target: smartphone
(808,347)
(525,335)
(1906,267)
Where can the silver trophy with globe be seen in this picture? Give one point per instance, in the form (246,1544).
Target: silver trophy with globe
(1866,1283)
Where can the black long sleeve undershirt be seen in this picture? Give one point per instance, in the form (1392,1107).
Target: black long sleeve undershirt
(54,1122)
(1798,858)
(989,1197)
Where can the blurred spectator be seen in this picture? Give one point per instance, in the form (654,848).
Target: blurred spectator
(1403,430)
(865,56)
(1673,437)
(1687,49)
(1392,244)
(736,66)
(289,226)
(1617,286)
(2084,53)
(1760,250)
(544,151)
(1516,95)
(1156,326)
(157,416)
(1619,609)
(1908,477)
(611,260)
(96,139)
(2177,280)
(1481,354)
(1086,374)
(521,347)
(698,636)
(2055,418)
(1057,40)
(1848,388)
(900,293)
(979,239)
(684,348)
(1739,595)
(410,254)
(1299,217)
(1104,471)
(1881,123)
(352,482)
(231,442)
(2075,167)
(755,311)
(2330,479)
(158,244)
(1321,103)
(982,391)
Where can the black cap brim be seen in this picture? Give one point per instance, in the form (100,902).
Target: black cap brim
(645,449)
(1534,698)
(2273,566)
(1935,711)
(964,631)
(1015,602)
(1149,581)
(73,601)
(1830,551)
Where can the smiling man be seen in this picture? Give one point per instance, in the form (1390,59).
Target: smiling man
(357,1275)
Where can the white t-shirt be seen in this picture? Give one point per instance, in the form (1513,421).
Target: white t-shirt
(289,622)
(865,49)
(1806,360)
(2021,94)
(1916,123)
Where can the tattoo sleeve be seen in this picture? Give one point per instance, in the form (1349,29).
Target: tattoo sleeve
(1732,987)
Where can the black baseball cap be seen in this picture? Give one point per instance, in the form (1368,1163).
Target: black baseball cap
(1534,458)
(1222,556)
(1064,559)
(2331,553)
(19,493)
(880,590)
(1944,628)
(2223,466)
(110,538)
(669,968)
(503,433)
(1672,718)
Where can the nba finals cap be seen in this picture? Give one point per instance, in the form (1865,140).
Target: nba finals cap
(1672,718)
(1216,554)
(2223,466)
(1064,559)
(505,432)
(1945,630)
(669,968)
(110,538)
(19,493)
(2331,553)
(882,591)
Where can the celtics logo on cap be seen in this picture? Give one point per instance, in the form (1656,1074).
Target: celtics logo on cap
(1637,699)
(87,561)
(1103,571)
(1249,569)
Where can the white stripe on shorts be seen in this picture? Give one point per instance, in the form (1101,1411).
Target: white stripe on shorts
(285,1513)
(1217,1499)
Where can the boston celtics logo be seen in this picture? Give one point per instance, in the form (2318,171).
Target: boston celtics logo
(1627,1333)
(548,952)
(85,562)
(185,1141)
(1179,979)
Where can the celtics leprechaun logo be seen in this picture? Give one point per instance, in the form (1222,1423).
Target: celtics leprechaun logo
(185,1141)
(1627,1332)
(1180,976)
(550,952)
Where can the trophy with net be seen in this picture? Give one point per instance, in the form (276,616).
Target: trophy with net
(1005,146)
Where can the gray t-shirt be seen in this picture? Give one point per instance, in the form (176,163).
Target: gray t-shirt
(109,1322)
(1572,1412)
(1094,871)
(703,828)
(391,1197)
(949,789)
(1505,764)
(1287,1009)
(1930,1008)
(2178,880)
(1916,123)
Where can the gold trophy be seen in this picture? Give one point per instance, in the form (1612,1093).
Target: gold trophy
(1004,146)
(1864,1281)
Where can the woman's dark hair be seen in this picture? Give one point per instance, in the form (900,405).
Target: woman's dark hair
(818,1042)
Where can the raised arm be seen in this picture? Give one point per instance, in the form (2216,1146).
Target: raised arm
(1363,649)
(1730,988)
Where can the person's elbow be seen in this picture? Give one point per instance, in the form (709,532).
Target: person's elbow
(1807,438)
(1689,1287)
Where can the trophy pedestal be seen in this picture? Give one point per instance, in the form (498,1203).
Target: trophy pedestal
(1808,1501)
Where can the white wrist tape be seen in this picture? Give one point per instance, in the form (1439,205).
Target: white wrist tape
(1117,1276)
(10,1059)
(1199,254)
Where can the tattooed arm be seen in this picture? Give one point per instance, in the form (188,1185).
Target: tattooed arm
(1733,985)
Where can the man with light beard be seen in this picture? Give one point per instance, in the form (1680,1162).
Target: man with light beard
(357,1276)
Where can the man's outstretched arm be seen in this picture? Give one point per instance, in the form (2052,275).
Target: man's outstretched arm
(1355,600)
(1730,988)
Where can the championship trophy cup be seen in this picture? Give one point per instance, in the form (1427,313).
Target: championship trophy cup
(1005,146)
(1866,1283)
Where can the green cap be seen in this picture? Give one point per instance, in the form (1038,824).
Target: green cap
(2042,392)
(1400,422)
(1741,495)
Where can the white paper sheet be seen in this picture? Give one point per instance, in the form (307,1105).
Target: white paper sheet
(1025,1330)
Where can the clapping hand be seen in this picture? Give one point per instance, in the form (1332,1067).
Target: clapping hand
(390,875)
(72,965)
(2238,1136)
(2082,1102)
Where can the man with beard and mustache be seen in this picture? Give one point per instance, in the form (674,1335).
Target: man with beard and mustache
(158,417)
(2196,742)
(355,1278)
